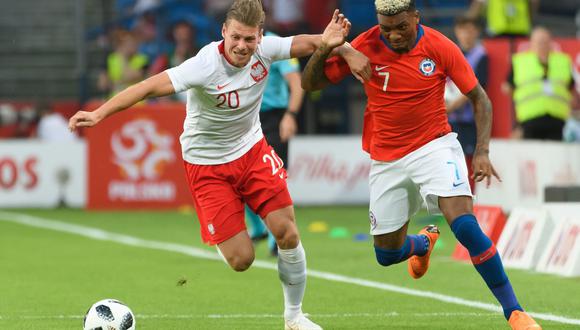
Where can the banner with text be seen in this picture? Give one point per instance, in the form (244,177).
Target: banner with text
(328,170)
(134,160)
(42,174)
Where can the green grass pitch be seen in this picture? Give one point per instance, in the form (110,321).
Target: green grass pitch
(49,278)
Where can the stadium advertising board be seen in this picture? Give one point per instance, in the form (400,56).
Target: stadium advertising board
(562,253)
(524,238)
(42,174)
(328,170)
(526,168)
(134,160)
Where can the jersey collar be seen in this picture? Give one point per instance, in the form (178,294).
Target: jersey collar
(420,33)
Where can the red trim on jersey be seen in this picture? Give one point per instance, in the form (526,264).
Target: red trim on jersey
(485,256)
(405,107)
(222,49)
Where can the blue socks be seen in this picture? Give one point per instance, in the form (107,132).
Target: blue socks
(414,245)
(486,260)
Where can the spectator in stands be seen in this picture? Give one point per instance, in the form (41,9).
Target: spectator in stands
(184,47)
(125,66)
(506,17)
(542,84)
(145,30)
(459,108)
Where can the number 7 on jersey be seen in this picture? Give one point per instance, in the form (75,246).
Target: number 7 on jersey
(386,74)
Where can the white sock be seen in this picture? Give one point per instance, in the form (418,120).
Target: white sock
(292,272)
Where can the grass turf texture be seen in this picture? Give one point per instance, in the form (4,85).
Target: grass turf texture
(48,279)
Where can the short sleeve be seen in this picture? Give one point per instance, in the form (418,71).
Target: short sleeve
(276,48)
(194,72)
(457,68)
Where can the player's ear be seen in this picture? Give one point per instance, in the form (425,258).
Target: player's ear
(224,28)
(260,35)
(417,17)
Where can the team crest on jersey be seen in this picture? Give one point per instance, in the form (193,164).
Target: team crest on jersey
(373,220)
(427,66)
(258,71)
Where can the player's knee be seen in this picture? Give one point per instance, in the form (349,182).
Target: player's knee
(288,238)
(240,263)
(388,257)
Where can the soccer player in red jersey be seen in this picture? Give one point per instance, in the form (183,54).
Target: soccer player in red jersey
(227,160)
(415,156)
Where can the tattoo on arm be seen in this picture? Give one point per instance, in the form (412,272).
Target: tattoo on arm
(313,77)
(483,116)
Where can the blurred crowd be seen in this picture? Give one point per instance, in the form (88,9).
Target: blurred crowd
(153,35)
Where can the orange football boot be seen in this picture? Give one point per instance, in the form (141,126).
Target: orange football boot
(522,321)
(418,265)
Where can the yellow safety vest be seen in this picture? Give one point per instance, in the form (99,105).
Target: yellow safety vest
(508,17)
(535,96)
(115,68)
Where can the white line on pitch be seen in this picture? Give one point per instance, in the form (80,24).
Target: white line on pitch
(100,234)
(257,316)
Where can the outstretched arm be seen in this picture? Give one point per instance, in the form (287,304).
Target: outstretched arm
(158,85)
(313,77)
(482,167)
(339,27)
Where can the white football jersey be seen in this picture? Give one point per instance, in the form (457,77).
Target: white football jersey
(223,101)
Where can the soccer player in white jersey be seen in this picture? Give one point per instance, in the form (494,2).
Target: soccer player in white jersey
(228,162)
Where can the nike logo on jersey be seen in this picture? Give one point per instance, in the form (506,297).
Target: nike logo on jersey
(458,184)
(220,87)
(379,68)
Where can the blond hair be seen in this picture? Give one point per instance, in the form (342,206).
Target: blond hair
(393,7)
(247,12)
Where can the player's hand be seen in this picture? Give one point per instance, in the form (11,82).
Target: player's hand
(288,127)
(83,119)
(483,169)
(359,65)
(336,31)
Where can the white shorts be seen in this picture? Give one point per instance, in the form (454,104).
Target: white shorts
(398,188)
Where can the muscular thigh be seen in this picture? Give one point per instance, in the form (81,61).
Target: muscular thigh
(439,170)
(218,205)
(394,198)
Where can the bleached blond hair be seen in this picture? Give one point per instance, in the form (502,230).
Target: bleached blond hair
(393,7)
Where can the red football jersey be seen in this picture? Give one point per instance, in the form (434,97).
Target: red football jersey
(405,106)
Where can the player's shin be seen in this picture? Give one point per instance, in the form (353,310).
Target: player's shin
(486,260)
(414,245)
(292,272)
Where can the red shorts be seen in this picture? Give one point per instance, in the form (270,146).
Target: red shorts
(220,191)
